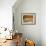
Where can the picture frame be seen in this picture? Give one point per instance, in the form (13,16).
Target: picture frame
(28,18)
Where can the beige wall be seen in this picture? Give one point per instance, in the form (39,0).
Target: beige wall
(29,31)
(6,13)
(43,22)
(36,32)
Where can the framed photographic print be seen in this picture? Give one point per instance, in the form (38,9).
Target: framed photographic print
(28,18)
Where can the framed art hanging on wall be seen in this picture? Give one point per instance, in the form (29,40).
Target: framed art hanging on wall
(28,18)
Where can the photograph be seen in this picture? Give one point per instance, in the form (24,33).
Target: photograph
(28,18)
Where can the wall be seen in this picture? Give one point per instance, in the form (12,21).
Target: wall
(29,31)
(43,22)
(6,16)
(6,13)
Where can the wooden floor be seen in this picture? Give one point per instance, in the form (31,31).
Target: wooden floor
(9,43)
(13,41)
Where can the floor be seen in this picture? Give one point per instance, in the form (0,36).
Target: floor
(9,43)
(13,41)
